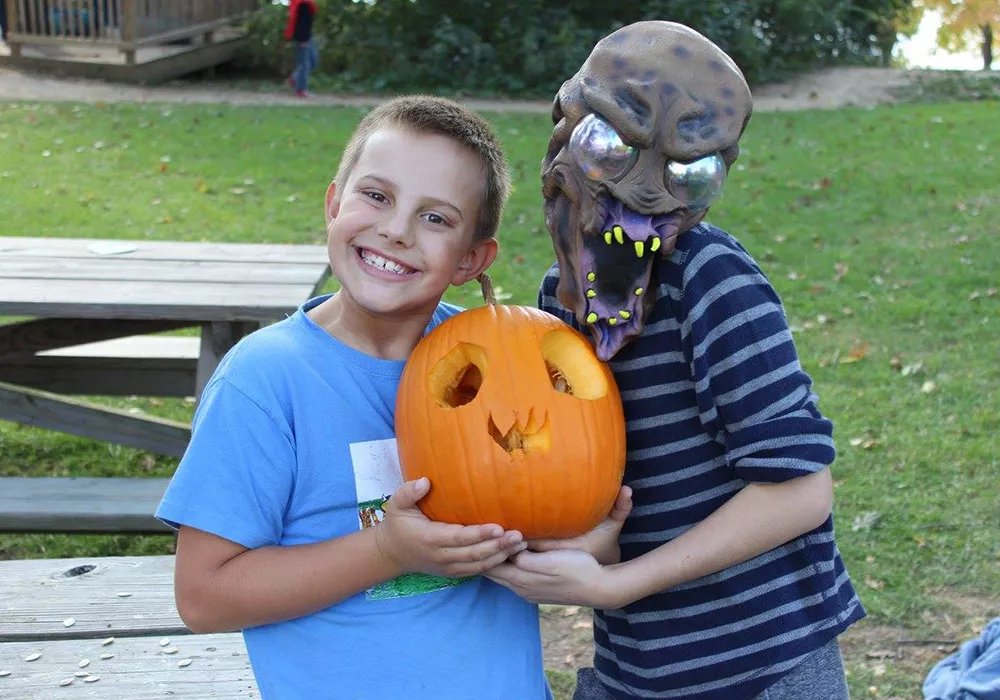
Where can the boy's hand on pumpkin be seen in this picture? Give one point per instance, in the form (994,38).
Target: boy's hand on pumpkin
(601,542)
(414,543)
(562,577)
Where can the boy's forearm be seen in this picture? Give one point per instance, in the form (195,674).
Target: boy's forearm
(756,520)
(272,584)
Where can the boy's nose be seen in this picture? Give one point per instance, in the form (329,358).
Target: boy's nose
(396,230)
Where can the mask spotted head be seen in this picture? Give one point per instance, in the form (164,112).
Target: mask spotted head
(644,136)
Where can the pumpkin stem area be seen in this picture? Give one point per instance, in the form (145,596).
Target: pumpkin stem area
(486,284)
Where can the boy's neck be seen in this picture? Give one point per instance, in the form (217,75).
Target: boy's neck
(378,336)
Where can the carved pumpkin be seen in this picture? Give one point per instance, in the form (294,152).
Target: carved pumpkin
(509,413)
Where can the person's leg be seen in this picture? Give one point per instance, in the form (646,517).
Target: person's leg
(588,687)
(301,65)
(820,675)
(312,59)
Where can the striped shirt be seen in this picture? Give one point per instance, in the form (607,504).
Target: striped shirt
(714,398)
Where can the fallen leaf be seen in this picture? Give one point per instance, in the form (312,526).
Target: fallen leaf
(874,583)
(914,368)
(857,353)
(896,362)
(866,520)
(928,387)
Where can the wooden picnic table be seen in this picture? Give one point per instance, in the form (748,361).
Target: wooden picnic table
(58,615)
(80,296)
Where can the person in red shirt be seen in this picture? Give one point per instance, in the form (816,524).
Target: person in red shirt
(301,14)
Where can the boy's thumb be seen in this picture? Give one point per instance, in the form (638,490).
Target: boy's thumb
(409,493)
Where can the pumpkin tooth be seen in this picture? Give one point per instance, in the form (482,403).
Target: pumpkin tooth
(639,248)
(619,234)
(639,291)
(591,276)
(607,237)
(612,321)
(625,314)
(655,245)
(592,317)
(591,294)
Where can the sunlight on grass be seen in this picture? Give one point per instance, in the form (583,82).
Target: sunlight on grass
(876,226)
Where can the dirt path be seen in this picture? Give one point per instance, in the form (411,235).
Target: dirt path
(828,89)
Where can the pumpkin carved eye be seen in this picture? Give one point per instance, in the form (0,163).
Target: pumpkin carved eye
(573,369)
(458,376)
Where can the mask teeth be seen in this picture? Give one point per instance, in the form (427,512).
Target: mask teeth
(617,235)
(593,318)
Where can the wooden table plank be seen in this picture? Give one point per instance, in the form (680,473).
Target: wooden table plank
(140,669)
(47,410)
(12,247)
(80,504)
(193,301)
(38,595)
(161,270)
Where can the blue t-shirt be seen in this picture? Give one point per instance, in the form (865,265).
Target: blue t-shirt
(293,443)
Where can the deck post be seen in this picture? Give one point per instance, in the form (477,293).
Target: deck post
(128,35)
(13,28)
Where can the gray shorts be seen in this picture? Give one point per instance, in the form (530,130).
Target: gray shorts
(824,669)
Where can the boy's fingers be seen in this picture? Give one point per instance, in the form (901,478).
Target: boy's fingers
(465,535)
(407,495)
(482,550)
(479,566)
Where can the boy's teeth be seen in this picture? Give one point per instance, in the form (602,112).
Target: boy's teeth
(378,261)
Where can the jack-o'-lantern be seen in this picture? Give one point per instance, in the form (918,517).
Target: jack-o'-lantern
(509,413)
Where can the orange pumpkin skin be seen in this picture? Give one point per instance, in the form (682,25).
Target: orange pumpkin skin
(517,452)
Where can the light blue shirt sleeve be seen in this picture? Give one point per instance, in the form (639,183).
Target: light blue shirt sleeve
(236,477)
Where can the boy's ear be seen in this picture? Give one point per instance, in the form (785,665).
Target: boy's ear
(332,202)
(476,261)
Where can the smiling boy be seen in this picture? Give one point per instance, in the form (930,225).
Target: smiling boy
(280,500)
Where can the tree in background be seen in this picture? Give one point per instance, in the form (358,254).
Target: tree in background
(965,22)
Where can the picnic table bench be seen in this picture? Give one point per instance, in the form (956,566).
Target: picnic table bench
(58,615)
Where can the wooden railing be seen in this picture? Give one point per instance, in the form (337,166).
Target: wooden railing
(126,24)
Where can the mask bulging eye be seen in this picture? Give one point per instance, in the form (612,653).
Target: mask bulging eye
(699,183)
(599,150)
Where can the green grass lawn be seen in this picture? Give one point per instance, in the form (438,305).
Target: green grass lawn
(878,228)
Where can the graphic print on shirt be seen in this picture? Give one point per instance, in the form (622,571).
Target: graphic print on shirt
(377,475)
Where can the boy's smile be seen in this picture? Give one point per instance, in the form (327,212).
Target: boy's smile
(383,266)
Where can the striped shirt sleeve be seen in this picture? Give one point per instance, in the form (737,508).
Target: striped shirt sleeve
(752,393)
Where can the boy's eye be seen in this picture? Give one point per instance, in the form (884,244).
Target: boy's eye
(436,219)
(377,196)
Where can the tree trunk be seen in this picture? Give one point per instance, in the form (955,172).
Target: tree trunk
(987,31)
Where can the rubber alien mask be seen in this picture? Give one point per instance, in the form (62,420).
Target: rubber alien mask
(644,136)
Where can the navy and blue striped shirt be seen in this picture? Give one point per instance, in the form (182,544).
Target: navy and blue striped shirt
(715,398)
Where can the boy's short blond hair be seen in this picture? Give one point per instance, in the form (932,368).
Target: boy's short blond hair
(435,115)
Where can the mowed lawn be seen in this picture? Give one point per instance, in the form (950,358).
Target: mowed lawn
(878,228)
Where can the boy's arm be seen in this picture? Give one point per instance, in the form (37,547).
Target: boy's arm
(223,586)
(757,519)
(229,497)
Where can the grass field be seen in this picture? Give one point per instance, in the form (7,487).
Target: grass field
(877,227)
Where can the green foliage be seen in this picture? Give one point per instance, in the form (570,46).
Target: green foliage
(529,47)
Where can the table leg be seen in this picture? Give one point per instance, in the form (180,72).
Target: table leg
(216,340)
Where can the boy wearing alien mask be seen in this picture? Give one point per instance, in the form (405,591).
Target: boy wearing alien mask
(729,584)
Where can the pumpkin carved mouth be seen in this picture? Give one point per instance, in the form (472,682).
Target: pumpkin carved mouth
(524,438)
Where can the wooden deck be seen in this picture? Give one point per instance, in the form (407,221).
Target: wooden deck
(153,64)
